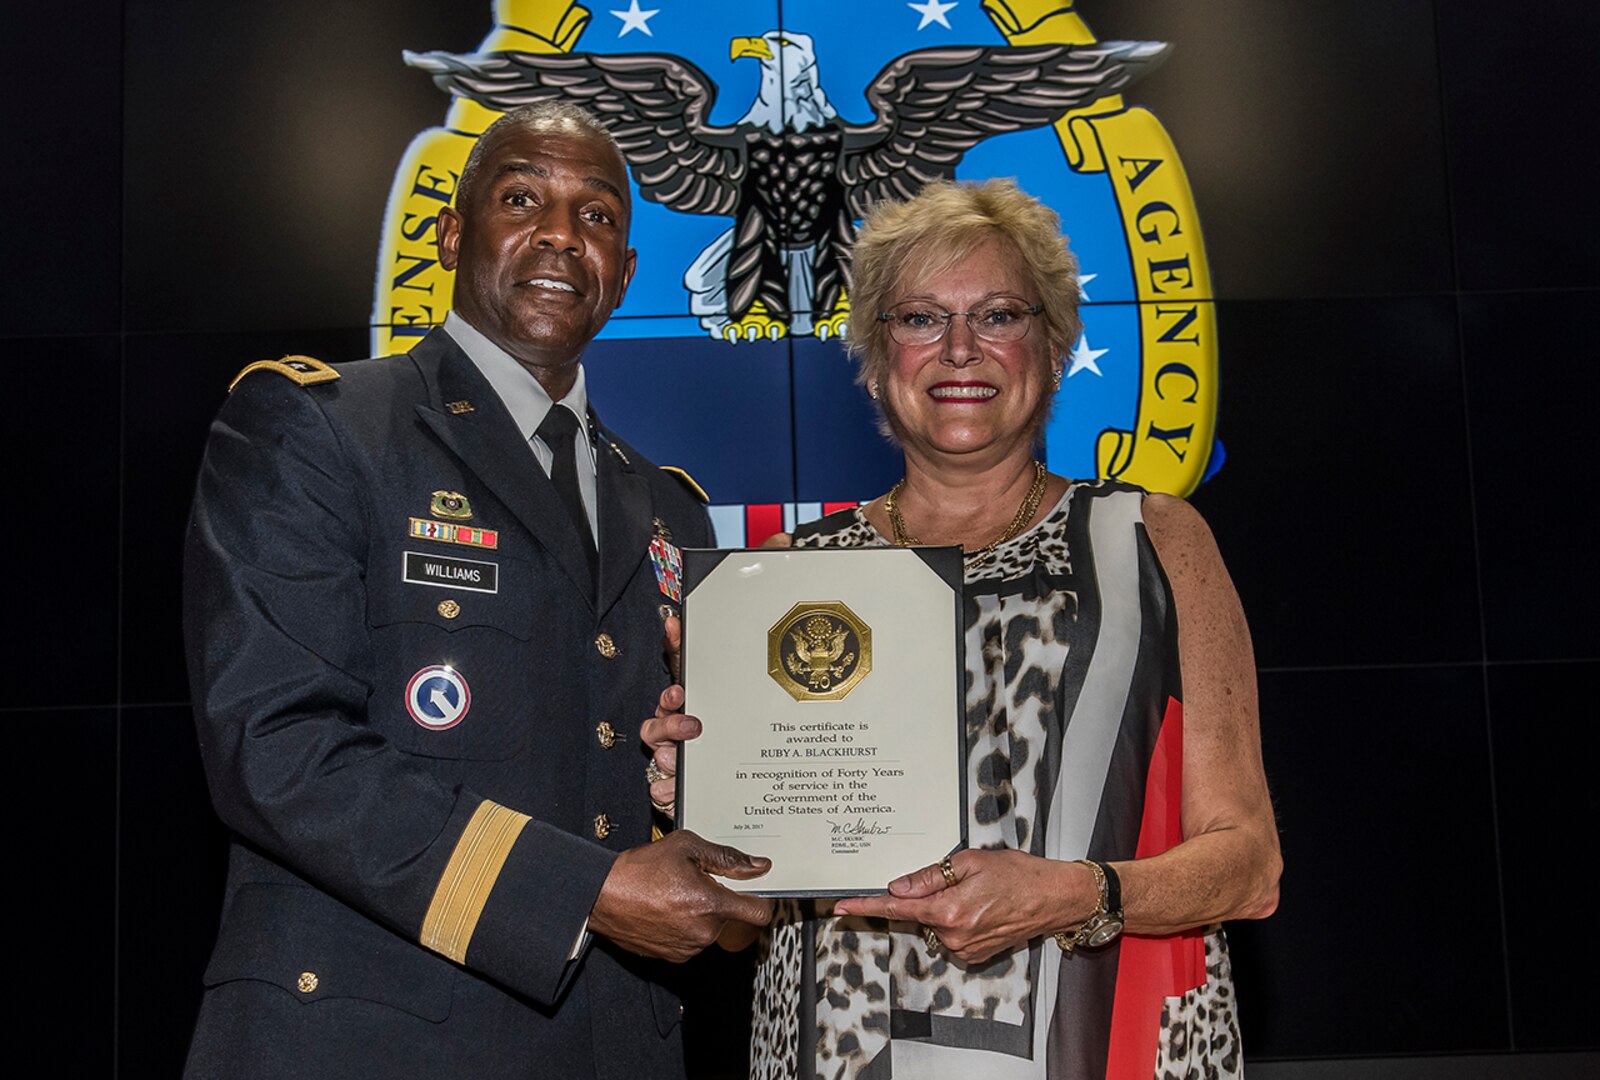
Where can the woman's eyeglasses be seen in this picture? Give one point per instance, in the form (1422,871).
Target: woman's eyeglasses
(917,322)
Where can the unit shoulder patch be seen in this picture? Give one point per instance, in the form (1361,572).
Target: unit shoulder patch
(687,481)
(305,370)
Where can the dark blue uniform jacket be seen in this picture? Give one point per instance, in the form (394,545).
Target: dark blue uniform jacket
(359,830)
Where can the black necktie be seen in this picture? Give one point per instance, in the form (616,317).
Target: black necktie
(557,431)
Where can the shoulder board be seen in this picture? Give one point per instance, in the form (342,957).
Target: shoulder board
(304,370)
(687,481)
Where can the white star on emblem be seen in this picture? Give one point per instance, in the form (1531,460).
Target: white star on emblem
(634,19)
(1083,358)
(932,12)
(1084,279)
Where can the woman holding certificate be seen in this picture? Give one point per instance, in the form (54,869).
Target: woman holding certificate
(1118,811)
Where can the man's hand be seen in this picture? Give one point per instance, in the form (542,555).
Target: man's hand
(660,901)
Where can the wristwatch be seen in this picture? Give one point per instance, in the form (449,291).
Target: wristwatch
(1104,923)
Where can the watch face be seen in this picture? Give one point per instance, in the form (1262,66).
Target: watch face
(1104,932)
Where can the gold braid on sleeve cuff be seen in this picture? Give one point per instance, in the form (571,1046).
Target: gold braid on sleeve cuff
(468,879)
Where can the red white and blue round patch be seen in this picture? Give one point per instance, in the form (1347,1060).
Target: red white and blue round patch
(437,697)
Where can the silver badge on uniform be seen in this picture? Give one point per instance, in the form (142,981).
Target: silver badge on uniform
(437,697)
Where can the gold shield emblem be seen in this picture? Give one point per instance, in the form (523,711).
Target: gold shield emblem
(819,651)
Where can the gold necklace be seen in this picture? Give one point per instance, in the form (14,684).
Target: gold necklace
(1025,512)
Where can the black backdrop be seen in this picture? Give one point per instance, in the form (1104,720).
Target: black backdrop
(1398,201)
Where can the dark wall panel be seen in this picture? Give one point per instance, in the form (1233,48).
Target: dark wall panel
(175,385)
(61,258)
(1520,105)
(62,548)
(174,855)
(1545,746)
(1531,381)
(1312,136)
(260,151)
(66,864)
(1385,937)
(1344,511)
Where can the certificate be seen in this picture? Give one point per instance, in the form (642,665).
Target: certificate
(829,686)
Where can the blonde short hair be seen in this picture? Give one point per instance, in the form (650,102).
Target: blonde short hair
(933,232)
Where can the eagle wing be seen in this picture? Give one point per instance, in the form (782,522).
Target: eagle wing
(801,649)
(934,105)
(656,106)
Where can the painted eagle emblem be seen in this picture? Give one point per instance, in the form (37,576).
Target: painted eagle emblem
(792,174)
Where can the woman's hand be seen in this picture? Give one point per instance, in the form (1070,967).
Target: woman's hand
(668,727)
(672,645)
(661,734)
(1000,900)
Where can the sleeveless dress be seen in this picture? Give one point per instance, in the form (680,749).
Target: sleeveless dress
(1074,729)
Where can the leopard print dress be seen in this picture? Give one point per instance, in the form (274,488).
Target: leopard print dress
(1074,749)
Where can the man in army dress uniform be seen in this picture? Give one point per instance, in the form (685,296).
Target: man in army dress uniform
(417,675)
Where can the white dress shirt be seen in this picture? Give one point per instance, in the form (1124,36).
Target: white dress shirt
(528,404)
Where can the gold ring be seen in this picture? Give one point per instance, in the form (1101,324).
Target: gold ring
(652,772)
(948,871)
(669,809)
(929,935)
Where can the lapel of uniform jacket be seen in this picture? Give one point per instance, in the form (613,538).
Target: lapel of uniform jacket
(625,518)
(487,440)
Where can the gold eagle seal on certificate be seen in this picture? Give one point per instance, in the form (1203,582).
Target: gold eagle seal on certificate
(819,651)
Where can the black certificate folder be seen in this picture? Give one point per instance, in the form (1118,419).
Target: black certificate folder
(830,684)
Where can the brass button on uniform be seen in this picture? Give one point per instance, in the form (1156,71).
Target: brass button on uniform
(449,608)
(607,647)
(307,982)
(602,828)
(606,734)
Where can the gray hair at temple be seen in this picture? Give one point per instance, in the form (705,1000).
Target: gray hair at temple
(542,116)
(901,242)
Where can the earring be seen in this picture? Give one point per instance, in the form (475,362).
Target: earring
(1055,378)
(872,389)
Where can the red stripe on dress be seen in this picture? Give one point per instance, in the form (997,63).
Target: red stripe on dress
(1150,969)
(762,520)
